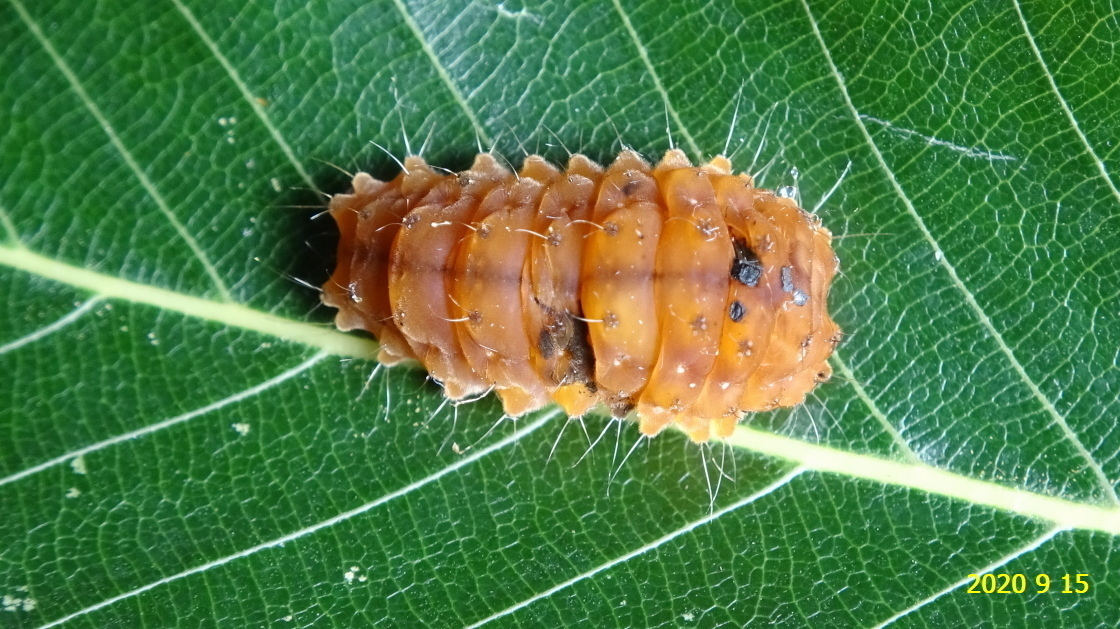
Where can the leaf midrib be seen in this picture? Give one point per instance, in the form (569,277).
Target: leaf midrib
(912,475)
(225,313)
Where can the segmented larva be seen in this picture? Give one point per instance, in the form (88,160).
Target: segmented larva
(682,294)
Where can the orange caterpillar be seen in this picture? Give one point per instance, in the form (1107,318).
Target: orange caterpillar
(681,293)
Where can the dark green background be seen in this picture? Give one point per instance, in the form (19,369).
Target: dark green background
(980,294)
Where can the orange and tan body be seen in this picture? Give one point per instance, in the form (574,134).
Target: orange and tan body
(683,294)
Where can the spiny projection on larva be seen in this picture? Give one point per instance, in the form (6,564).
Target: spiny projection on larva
(679,294)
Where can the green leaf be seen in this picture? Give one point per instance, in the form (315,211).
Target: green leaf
(185,441)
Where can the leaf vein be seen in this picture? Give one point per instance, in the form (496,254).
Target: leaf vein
(51,328)
(130,161)
(309,530)
(1065,105)
(861,393)
(442,72)
(995,565)
(244,89)
(661,91)
(10,228)
(1058,418)
(167,423)
(641,550)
